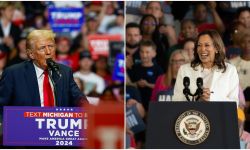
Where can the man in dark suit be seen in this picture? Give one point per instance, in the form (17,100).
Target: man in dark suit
(24,84)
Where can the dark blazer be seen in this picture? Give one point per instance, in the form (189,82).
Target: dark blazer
(15,33)
(19,87)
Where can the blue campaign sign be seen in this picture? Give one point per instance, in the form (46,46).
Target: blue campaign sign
(134,120)
(66,19)
(118,73)
(44,126)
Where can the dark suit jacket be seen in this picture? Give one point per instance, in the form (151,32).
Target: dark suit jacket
(19,87)
(14,33)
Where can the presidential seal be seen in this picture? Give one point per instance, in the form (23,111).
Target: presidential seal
(192,127)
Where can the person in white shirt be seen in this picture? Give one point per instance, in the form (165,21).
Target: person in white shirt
(220,79)
(242,63)
(9,33)
(92,81)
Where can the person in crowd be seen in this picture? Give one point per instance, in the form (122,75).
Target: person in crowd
(19,17)
(200,17)
(133,39)
(166,81)
(21,49)
(96,24)
(188,46)
(3,58)
(80,42)
(236,31)
(92,81)
(101,68)
(107,15)
(242,63)
(243,16)
(150,31)
(9,33)
(113,93)
(133,99)
(63,55)
(28,83)
(188,30)
(145,74)
(244,135)
(156,9)
(220,79)
(117,26)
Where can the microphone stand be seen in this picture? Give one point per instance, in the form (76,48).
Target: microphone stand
(188,99)
(198,93)
(186,93)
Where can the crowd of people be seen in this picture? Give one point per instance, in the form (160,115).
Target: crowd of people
(163,36)
(92,75)
(160,37)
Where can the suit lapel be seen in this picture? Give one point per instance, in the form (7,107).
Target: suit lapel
(32,83)
(216,75)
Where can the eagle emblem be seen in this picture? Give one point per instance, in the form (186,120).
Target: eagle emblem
(192,127)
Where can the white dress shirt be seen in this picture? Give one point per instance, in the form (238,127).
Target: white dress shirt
(6,30)
(40,78)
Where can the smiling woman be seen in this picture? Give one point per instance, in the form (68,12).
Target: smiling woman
(209,64)
(209,51)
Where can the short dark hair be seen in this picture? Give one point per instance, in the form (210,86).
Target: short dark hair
(240,10)
(148,43)
(196,4)
(188,40)
(186,21)
(219,60)
(133,25)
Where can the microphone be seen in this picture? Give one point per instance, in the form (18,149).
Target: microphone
(199,91)
(186,90)
(186,82)
(199,82)
(53,66)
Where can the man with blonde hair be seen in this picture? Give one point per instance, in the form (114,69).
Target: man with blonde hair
(30,83)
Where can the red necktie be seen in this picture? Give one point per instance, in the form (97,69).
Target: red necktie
(47,91)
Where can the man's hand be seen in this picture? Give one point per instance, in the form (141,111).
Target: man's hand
(212,5)
(9,41)
(142,83)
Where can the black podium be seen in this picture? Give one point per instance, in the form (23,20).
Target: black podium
(164,119)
